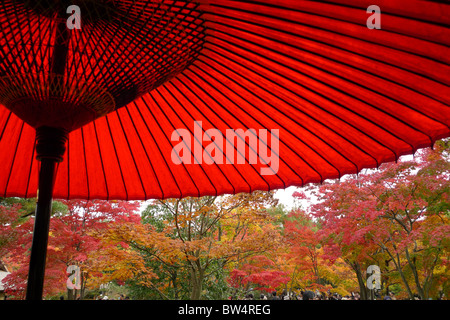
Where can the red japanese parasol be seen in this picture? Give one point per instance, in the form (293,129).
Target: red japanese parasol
(107,105)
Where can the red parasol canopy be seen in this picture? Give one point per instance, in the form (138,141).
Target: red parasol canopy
(343,96)
(308,77)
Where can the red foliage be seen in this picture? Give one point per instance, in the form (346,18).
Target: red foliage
(260,272)
(70,241)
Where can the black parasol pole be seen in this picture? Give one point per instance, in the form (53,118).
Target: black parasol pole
(50,148)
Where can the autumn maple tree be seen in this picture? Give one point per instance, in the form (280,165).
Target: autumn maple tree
(396,217)
(190,240)
(70,242)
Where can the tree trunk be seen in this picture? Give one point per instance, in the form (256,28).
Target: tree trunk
(402,276)
(412,265)
(398,267)
(196,283)
(72,294)
(175,284)
(83,285)
(197,276)
(361,281)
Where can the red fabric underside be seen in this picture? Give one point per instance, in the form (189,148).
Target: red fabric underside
(343,98)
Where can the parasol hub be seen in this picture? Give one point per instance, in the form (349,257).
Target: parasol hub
(71,77)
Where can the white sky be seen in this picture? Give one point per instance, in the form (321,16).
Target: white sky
(285,196)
